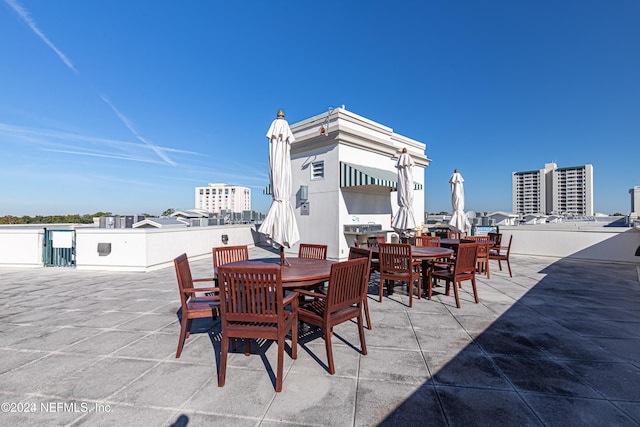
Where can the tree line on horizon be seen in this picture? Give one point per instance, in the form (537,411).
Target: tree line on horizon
(53,219)
(66,219)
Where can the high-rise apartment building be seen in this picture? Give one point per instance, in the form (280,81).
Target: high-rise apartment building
(217,197)
(529,191)
(553,190)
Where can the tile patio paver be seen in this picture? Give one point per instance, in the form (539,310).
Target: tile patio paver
(557,344)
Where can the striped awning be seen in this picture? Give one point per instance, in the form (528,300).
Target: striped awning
(356,175)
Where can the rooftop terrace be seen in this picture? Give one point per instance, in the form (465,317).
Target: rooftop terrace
(557,344)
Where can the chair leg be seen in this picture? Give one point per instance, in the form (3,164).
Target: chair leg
(410,286)
(224,349)
(366,312)
(429,286)
(327,343)
(188,328)
(294,339)
(455,292)
(381,289)
(247,346)
(183,337)
(509,265)
(280,363)
(500,265)
(363,344)
(475,290)
(487,269)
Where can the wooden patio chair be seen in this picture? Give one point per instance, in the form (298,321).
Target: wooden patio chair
(428,241)
(482,257)
(253,306)
(193,306)
(343,301)
(226,254)
(375,241)
(310,251)
(502,256)
(462,268)
(355,253)
(456,235)
(433,242)
(496,238)
(397,263)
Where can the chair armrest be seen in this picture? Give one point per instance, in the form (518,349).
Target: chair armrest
(200,290)
(208,279)
(304,292)
(290,298)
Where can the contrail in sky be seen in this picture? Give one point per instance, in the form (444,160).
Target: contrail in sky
(128,124)
(24,14)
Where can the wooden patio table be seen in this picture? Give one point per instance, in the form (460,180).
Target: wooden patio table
(452,243)
(421,253)
(301,273)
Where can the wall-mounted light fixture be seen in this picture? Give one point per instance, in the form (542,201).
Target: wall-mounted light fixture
(225,238)
(324,127)
(304,193)
(104,249)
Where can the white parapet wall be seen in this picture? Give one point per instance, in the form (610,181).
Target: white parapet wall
(144,249)
(141,249)
(149,249)
(608,244)
(21,247)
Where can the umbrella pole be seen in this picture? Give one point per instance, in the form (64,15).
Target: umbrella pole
(283,261)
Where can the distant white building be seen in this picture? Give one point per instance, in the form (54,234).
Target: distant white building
(553,190)
(503,218)
(218,197)
(635,201)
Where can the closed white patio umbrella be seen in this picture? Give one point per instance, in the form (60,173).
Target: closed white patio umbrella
(280,226)
(458,218)
(404,222)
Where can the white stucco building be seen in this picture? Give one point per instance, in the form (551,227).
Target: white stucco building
(217,197)
(346,176)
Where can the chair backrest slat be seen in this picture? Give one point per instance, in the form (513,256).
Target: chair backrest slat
(496,238)
(185,280)
(251,294)
(395,257)
(348,284)
(483,245)
(428,241)
(311,251)
(226,254)
(465,258)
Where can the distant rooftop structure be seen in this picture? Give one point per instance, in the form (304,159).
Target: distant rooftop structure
(160,223)
(192,213)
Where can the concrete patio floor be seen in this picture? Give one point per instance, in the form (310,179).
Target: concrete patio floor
(558,345)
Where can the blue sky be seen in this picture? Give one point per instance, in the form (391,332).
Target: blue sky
(126,106)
